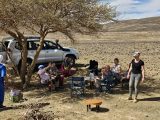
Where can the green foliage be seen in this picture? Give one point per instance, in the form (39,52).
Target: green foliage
(45,16)
(50,16)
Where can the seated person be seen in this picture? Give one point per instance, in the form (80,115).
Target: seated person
(53,70)
(107,73)
(116,69)
(55,74)
(67,62)
(93,79)
(65,69)
(107,77)
(98,80)
(44,76)
(103,72)
(47,78)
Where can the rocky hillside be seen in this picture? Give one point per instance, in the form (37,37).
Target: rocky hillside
(145,24)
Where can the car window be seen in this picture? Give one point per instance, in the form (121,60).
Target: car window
(50,45)
(31,45)
(17,46)
(1,47)
(6,44)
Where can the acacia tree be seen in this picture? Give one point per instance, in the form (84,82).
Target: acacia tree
(50,16)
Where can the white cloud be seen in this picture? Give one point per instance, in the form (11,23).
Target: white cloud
(135,9)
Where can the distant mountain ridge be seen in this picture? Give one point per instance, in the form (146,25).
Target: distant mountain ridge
(145,24)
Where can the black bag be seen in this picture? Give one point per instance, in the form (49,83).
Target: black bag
(93,64)
(93,67)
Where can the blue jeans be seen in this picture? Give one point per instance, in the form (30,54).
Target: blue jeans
(134,83)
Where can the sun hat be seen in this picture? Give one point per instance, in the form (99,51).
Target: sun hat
(40,66)
(136,53)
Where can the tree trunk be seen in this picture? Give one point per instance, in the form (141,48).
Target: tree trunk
(31,67)
(23,69)
(24,52)
(12,62)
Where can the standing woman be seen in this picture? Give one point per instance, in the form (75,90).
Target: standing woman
(136,74)
(2,76)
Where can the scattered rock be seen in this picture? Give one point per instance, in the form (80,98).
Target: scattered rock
(146,116)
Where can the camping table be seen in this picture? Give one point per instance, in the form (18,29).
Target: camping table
(90,102)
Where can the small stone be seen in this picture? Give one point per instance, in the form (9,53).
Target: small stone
(146,116)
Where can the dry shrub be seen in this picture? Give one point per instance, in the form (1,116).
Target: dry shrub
(36,114)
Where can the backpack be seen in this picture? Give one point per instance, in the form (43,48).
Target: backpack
(93,64)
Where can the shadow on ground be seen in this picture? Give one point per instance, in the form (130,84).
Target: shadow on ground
(101,110)
(6,108)
(151,99)
(149,86)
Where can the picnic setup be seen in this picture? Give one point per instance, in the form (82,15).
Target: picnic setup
(79,60)
(54,78)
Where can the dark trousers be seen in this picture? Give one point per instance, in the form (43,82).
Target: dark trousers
(1,91)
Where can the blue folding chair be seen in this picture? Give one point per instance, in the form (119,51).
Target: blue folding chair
(77,86)
(107,84)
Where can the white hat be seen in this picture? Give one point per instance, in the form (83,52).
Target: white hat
(136,53)
(40,66)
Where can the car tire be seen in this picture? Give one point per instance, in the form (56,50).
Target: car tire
(72,60)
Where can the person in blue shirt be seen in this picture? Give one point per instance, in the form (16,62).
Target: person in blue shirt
(2,76)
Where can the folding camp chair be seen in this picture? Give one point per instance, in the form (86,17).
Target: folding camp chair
(77,86)
(107,84)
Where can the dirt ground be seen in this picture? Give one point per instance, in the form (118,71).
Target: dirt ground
(115,106)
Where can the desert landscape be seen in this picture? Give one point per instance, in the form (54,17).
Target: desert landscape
(103,47)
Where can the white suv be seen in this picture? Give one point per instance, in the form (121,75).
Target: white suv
(51,51)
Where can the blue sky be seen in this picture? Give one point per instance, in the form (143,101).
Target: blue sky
(135,9)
